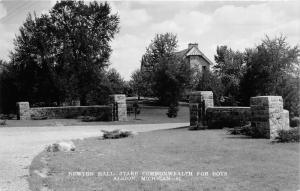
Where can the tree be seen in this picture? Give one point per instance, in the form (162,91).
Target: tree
(140,86)
(162,46)
(209,81)
(63,55)
(116,83)
(163,70)
(229,68)
(272,68)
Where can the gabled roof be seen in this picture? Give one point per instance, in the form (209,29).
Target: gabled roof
(193,51)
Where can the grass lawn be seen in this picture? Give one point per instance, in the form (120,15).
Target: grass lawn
(247,164)
(149,115)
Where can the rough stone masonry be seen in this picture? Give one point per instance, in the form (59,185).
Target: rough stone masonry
(119,107)
(199,101)
(268,115)
(117,111)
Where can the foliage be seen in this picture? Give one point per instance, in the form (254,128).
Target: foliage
(295,122)
(166,74)
(93,118)
(209,81)
(139,85)
(116,134)
(116,82)
(272,68)
(3,122)
(39,117)
(61,55)
(172,111)
(199,126)
(229,69)
(247,130)
(291,135)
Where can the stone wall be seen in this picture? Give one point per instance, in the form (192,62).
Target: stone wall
(116,111)
(268,116)
(104,112)
(219,117)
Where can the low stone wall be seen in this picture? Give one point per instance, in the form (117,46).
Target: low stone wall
(265,113)
(116,111)
(219,117)
(104,112)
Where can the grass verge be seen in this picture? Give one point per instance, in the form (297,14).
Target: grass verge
(249,164)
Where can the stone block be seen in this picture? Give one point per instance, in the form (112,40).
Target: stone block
(23,111)
(203,100)
(194,116)
(119,107)
(219,117)
(268,116)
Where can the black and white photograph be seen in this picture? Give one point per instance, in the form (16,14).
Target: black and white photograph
(140,95)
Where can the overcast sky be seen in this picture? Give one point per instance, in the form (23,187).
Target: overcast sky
(236,24)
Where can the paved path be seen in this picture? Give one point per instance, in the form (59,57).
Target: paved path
(19,145)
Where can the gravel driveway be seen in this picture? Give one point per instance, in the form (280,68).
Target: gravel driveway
(19,145)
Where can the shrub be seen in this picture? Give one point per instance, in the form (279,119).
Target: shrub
(101,117)
(39,117)
(88,119)
(116,134)
(172,111)
(199,126)
(291,135)
(295,122)
(247,130)
(8,116)
(3,122)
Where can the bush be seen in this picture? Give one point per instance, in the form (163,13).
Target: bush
(38,117)
(295,122)
(172,111)
(247,130)
(101,117)
(199,126)
(8,116)
(3,122)
(116,134)
(291,135)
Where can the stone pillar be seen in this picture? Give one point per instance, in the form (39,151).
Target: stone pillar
(194,116)
(119,107)
(23,111)
(286,119)
(199,102)
(268,116)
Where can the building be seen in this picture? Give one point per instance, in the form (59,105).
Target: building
(195,58)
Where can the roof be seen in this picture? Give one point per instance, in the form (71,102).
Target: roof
(193,51)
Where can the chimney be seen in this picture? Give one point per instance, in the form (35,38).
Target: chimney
(193,45)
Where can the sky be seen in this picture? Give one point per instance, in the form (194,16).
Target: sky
(237,24)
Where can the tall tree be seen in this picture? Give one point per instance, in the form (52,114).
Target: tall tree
(163,70)
(270,67)
(62,55)
(229,68)
(137,83)
(83,35)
